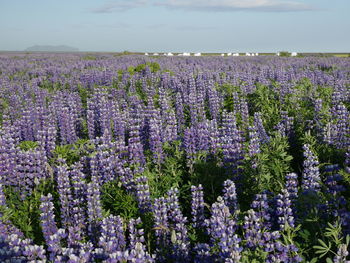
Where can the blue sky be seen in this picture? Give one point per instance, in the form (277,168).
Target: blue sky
(177,25)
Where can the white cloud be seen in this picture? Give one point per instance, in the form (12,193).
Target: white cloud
(236,5)
(208,5)
(119,6)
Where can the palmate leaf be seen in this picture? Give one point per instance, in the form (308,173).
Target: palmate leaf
(323,249)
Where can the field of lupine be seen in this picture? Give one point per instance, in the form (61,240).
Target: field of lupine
(107,158)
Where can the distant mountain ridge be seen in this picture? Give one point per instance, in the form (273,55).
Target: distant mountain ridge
(48,48)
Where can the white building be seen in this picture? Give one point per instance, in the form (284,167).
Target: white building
(146,54)
(222,54)
(155,54)
(247,54)
(235,54)
(294,54)
(197,54)
(229,54)
(186,54)
(170,54)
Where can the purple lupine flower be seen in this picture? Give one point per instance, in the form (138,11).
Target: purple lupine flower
(52,234)
(177,222)
(101,165)
(341,128)
(34,253)
(221,228)
(179,108)
(91,120)
(202,253)
(47,136)
(285,126)
(112,237)
(155,140)
(161,227)
(292,186)
(135,148)
(319,118)
(190,146)
(254,145)
(231,142)
(192,101)
(262,209)
(66,124)
(254,142)
(230,196)
(203,136)
(2,196)
(78,202)
(342,254)
(65,195)
(311,173)
(284,210)
(119,123)
(137,248)
(253,229)
(214,102)
(347,161)
(30,169)
(244,111)
(143,194)
(169,126)
(10,251)
(75,237)
(8,160)
(214,137)
(94,208)
(47,217)
(197,206)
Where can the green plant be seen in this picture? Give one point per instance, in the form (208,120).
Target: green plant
(28,145)
(117,201)
(273,163)
(333,240)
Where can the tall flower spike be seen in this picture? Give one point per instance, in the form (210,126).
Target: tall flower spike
(252,226)
(221,228)
(292,186)
(52,234)
(261,207)
(137,248)
(197,206)
(143,194)
(65,195)
(2,196)
(179,236)
(311,173)
(94,208)
(230,196)
(284,210)
(161,227)
(263,137)
(231,142)
(112,237)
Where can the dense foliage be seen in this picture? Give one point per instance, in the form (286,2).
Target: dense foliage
(137,159)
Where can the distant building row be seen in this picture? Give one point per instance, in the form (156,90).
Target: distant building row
(187,54)
(292,54)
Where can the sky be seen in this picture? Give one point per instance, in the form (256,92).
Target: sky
(177,25)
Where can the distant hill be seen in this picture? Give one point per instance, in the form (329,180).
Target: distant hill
(47,48)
